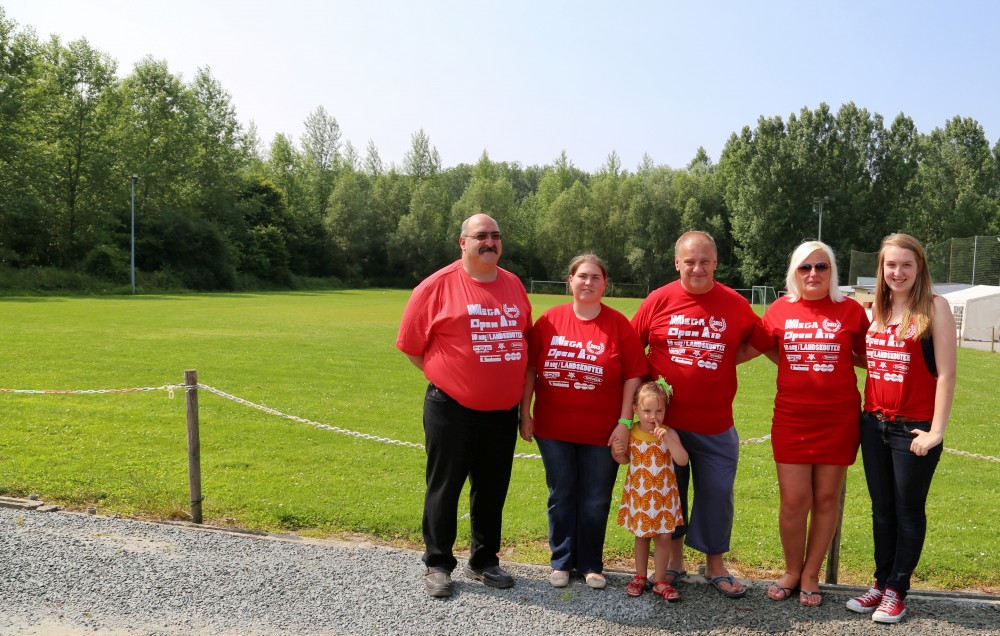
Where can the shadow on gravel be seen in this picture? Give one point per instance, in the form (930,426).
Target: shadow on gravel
(702,610)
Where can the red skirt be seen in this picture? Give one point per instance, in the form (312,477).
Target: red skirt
(816,441)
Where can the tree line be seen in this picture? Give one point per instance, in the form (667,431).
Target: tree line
(218,209)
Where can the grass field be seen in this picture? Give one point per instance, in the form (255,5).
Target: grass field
(329,357)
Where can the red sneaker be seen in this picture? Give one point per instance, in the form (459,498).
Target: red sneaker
(891,609)
(867,602)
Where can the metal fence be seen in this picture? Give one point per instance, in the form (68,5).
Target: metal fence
(974,261)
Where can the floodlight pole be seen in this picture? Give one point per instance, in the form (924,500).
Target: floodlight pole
(135,178)
(818,205)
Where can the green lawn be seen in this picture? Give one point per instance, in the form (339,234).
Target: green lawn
(329,357)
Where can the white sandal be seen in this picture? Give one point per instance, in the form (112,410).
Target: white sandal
(595,581)
(559,578)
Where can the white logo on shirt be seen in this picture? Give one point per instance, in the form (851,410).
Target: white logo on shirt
(595,349)
(511,311)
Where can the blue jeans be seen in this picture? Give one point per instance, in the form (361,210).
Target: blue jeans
(581,478)
(898,483)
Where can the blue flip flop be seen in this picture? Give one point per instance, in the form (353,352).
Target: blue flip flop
(728,578)
(675,576)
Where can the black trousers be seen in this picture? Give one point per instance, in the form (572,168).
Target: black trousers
(463,443)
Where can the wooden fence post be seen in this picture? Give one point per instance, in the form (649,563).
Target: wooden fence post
(194,443)
(833,557)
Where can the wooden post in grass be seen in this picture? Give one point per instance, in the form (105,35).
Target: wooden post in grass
(833,557)
(194,442)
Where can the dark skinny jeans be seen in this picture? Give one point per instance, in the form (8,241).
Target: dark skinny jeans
(898,483)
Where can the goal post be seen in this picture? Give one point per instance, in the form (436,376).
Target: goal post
(548,286)
(762,295)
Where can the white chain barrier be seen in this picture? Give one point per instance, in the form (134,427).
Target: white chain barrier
(755,440)
(327,427)
(169,388)
(302,420)
(972,455)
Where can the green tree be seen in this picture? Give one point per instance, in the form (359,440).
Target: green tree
(994,227)
(956,182)
(76,130)
(894,198)
(489,192)
(605,217)
(321,158)
(563,230)
(652,224)
(422,242)
(284,166)
(24,224)
(265,233)
(389,202)
(221,156)
(373,162)
(421,160)
(156,137)
(347,221)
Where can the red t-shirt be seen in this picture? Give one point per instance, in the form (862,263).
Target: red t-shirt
(582,367)
(471,335)
(693,341)
(817,405)
(899,382)
(816,341)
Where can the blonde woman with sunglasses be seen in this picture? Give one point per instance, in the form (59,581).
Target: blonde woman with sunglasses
(819,336)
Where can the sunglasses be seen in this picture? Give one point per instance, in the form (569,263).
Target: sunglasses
(805,268)
(482,236)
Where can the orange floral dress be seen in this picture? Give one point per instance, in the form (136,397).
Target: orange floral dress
(650,502)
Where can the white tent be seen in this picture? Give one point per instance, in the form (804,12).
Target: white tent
(977,312)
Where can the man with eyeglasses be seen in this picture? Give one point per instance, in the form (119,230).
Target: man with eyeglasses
(695,329)
(464,327)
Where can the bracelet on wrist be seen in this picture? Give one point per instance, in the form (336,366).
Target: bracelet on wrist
(627,422)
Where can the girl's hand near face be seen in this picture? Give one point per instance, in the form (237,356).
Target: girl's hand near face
(677,451)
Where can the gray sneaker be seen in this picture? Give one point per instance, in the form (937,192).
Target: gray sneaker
(493,576)
(438,582)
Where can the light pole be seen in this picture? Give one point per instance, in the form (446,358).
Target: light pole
(135,178)
(818,206)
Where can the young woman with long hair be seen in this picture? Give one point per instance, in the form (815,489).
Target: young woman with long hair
(911,352)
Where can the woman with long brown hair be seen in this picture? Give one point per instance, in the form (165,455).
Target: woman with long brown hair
(911,355)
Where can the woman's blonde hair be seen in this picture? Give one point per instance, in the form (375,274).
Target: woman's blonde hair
(919,305)
(793,283)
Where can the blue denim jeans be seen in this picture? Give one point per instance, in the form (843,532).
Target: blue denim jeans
(581,478)
(898,483)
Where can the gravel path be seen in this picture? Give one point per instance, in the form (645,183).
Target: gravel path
(68,574)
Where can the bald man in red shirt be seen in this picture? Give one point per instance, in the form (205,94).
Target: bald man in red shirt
(464,327)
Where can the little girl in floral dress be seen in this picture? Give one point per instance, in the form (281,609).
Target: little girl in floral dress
(650,507)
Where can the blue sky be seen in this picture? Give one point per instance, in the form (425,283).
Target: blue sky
(527,79)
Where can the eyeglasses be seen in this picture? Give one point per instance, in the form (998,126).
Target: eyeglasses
(482,236)
(805,268)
